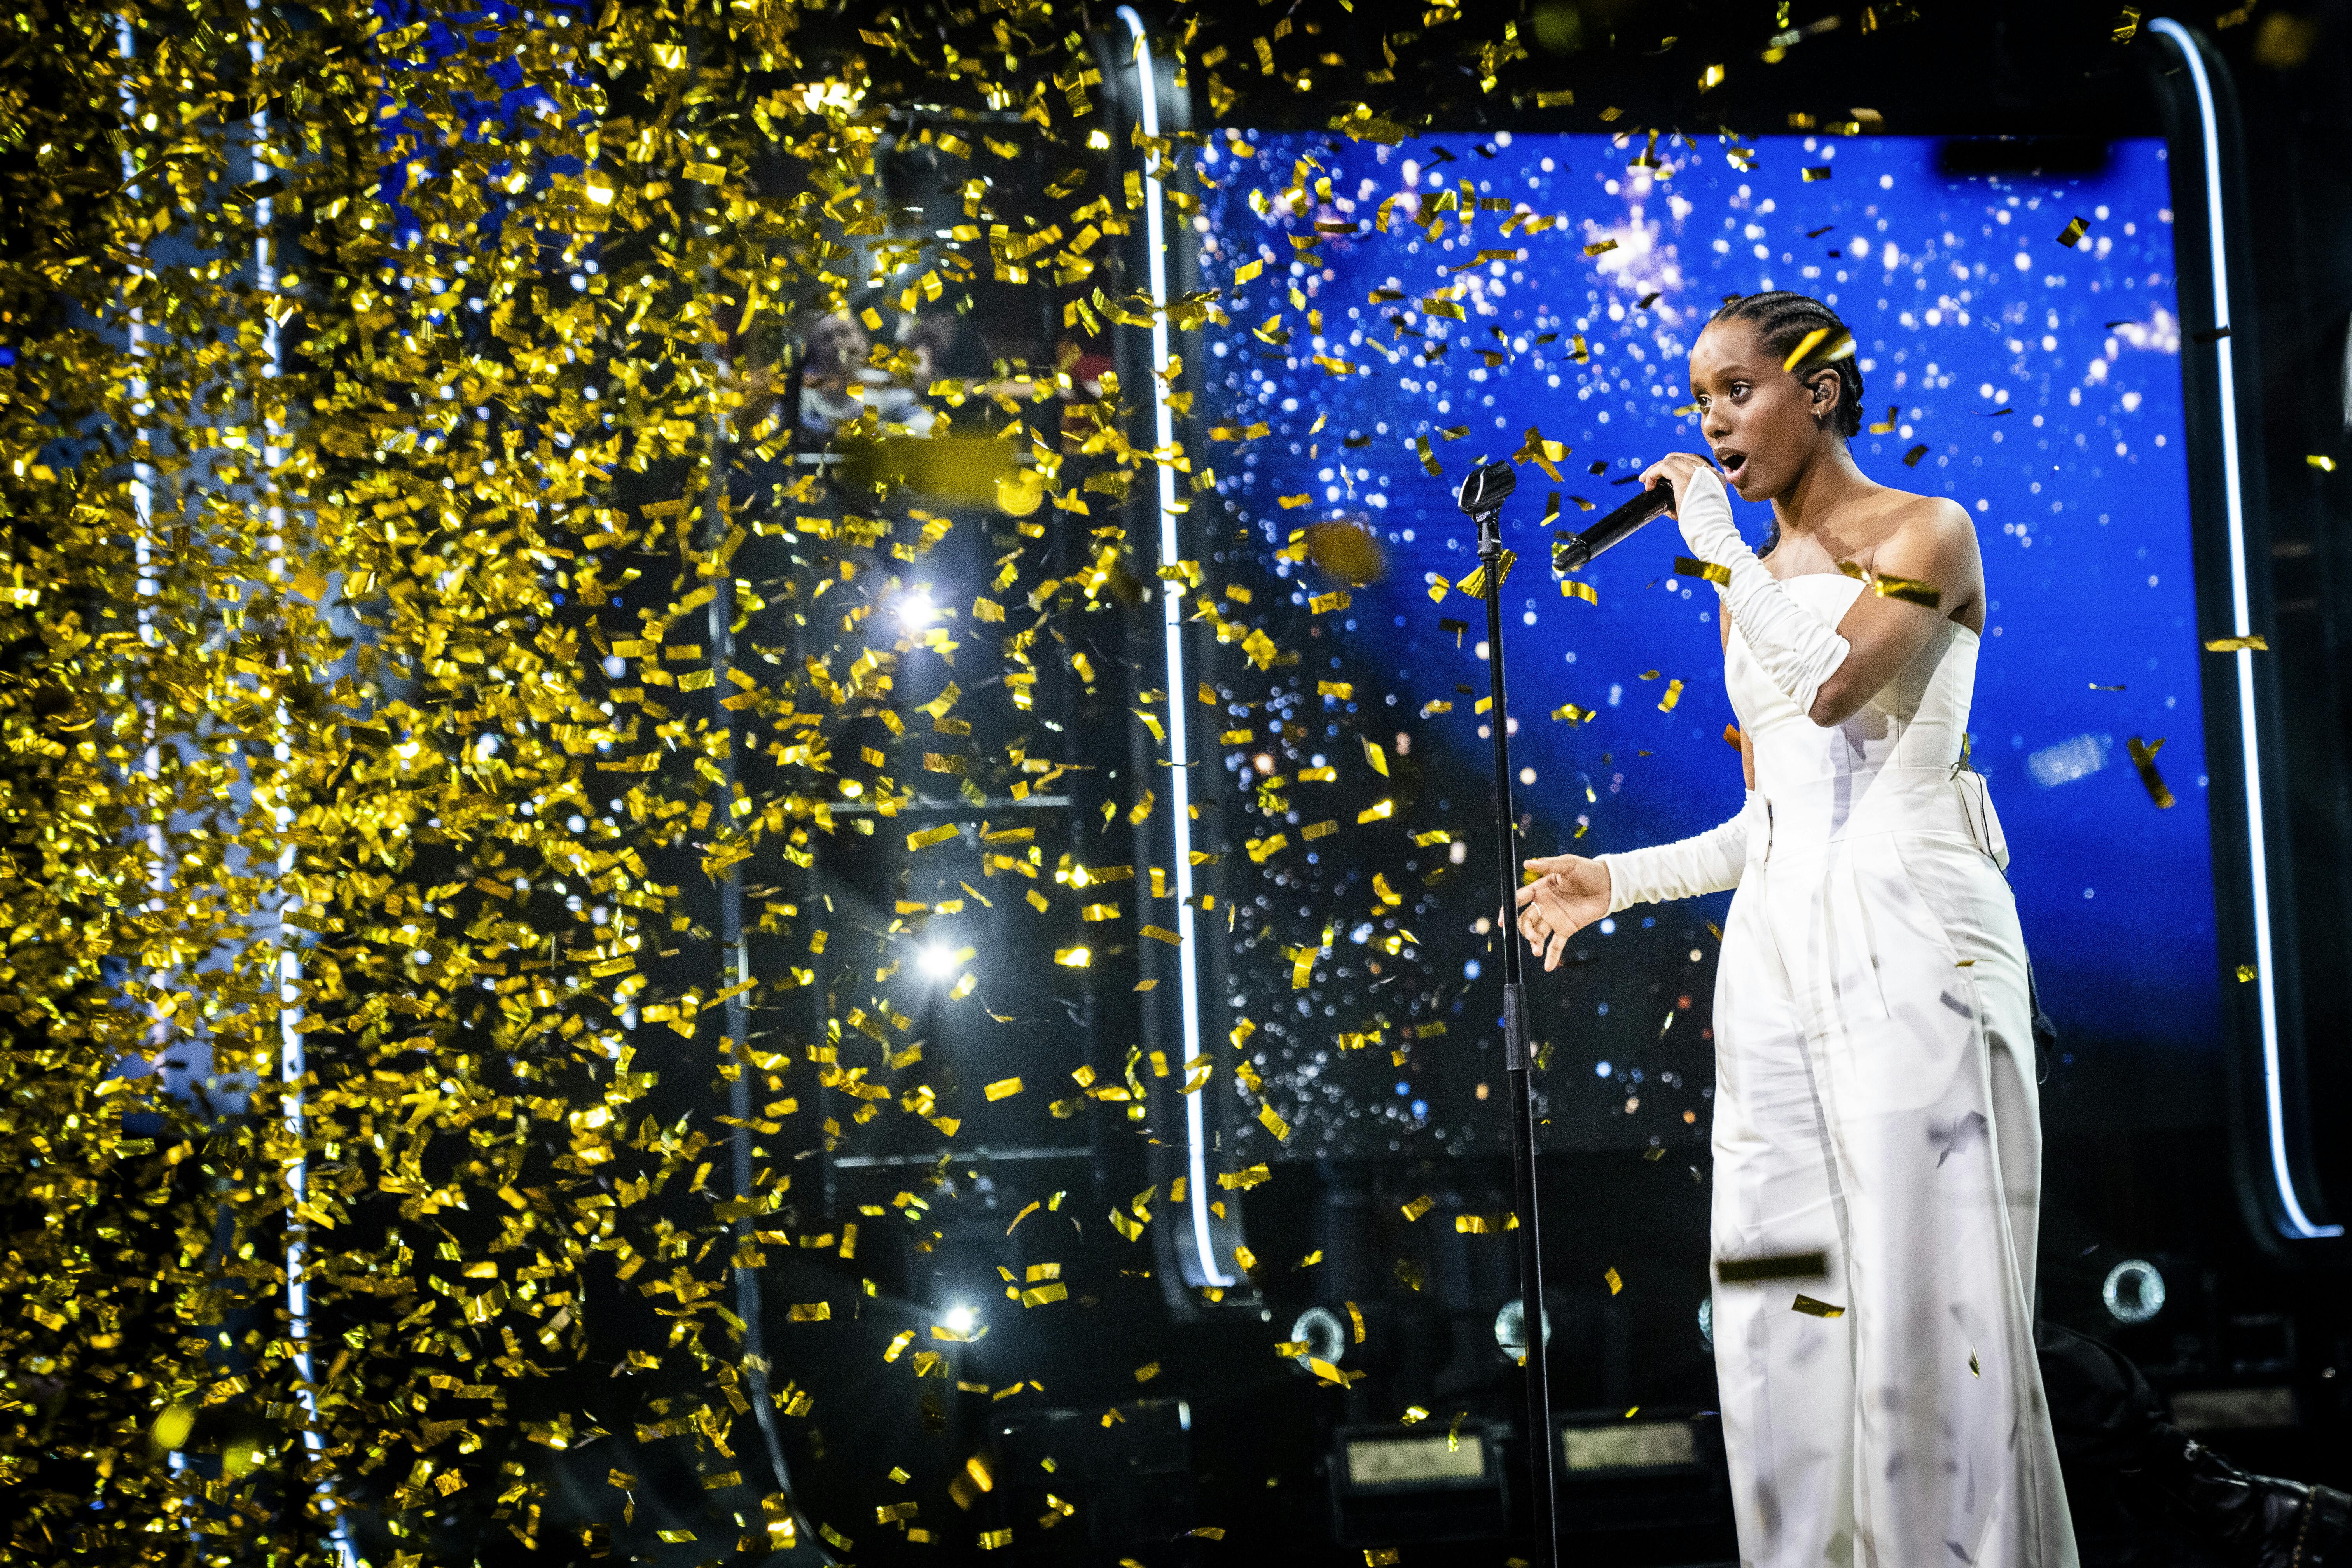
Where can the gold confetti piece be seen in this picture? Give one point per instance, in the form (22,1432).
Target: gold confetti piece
(811,1311)
(1814,1309)
(2246,971)
(1688,566)
(173,1427)
(2325,465)
(1819,347)
(1909,591)
(1974,1370)
(1572,589)
(1819,172)
(1672,695)
(2232,645)
(1072,957)
(1600,247)
(1325,1372)
(1615,1283)
(1147,1372)
(1419,1207)
(1386,1556)
(2143,758)
(1274,1123)
(1004,1088)
(1349,552)
(931,836)
(1911,459)
(1886,427)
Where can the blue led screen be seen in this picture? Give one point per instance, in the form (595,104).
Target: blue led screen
(2036,383)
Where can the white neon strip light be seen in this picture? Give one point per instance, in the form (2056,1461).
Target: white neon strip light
(2297,1221)
(1163,435)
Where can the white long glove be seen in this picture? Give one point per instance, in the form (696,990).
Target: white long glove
(1797,651)
(1709,862)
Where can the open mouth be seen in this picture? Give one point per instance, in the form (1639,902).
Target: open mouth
(1732,463)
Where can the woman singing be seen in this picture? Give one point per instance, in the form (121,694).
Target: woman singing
(1876,1127)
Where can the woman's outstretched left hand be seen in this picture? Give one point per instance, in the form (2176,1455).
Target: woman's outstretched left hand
(1569,892)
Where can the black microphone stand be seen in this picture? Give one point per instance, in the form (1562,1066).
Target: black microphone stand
(1482,496)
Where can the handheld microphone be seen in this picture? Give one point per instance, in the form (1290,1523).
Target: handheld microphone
(1579,549)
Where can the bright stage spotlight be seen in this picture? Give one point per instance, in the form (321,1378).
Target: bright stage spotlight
(916,613)
(961,1319)
(2132,1291)
(938,961)
(1511,1329)
(1325,1338)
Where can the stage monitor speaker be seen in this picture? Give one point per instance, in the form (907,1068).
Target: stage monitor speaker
(1406,1483)
(1637,1470)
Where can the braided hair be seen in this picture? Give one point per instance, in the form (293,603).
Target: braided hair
(1782,320)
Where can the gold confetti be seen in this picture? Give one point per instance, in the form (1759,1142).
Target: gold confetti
(1687,566)
(2246,972)
(2232,645)
(2072,235)
(1814,1309)
(1819,347)
(2325,464)
(1909,591)
(2143,757)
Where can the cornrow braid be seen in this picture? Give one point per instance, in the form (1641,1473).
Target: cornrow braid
(1783,320)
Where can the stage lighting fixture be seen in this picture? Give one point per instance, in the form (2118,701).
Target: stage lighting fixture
(917,612)
(961,1319)
(1511,1329)
(2132,1291)
(938,961)
(1325,1338)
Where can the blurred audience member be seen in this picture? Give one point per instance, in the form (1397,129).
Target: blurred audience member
(838,383)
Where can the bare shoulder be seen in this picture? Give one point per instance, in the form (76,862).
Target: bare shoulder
(1925,530)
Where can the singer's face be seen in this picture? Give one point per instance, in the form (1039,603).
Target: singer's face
(1758,418)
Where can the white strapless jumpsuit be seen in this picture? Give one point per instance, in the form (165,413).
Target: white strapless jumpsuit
(1875,1104)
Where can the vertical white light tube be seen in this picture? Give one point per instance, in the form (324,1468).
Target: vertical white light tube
(293,1062)
(1171,620)
(2298,1222)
